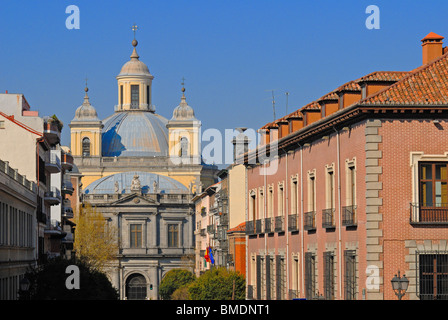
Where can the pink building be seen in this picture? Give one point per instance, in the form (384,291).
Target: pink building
(357,192)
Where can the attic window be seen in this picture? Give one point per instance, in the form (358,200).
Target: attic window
(2,124)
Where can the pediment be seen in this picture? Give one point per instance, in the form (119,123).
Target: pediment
(134,200)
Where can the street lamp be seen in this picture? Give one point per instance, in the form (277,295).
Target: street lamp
(24,285)
(400,285)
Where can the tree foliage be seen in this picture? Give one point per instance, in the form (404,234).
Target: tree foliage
(173,280)
(95,241)
(48,282)
(218,284)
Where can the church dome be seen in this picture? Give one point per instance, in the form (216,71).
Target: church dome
(86,112)
(135,134)
(134,66)
(183,111)
(122,183)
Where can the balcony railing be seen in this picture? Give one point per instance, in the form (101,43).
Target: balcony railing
(310,221)
(429,214)
(250,227)
(328,218)
(349,216)
(67,161)
(54,163)
(268,225)
(259,226)
(293,222)
(279,224)
(53,196)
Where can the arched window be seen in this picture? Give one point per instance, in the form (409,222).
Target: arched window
(136,287)
(86,147)
(183,147)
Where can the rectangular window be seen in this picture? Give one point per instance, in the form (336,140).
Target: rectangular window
(433,192)
(329,275)
(270,202)
(121,95)
(294,197)
(173,235)
(281,200)
(433,276)
(135,96)
(281,278)
(136,235)
(311,193)
(310,275)
(147,95)
(295,277)
(350,274)
(2,124)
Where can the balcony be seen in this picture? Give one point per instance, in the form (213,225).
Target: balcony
(349,216)
(279,224)
(310,221)
(53,196)
(293,222)
(54,164)
(268,225)
(328,218)
(250,228)
(425,214)
(259,226)
(67,211)
(67,161)
(67,187)
(52,131)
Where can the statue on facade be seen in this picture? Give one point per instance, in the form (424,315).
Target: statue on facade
(117,189)
(154,186)
(135,184)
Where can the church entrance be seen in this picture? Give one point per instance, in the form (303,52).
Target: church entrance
(136,287)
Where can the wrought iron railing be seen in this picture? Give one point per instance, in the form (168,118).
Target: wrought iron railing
(293,222)
(328,218)
(310,220)
(279,227)
(259,226)
(250,227)
(349,216)
(268,225)
(424,213)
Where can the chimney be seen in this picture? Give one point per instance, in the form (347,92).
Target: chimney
(432,47)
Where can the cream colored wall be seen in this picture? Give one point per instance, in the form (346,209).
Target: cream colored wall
(176,133)
(126,83)
(237,195)
(22,158)
(184,178)
(94,134)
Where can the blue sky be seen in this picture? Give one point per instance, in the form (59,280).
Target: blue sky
(231,53)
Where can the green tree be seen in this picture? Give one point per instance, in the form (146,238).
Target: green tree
(218,284)
(48,282)
(173,280)
(95,241)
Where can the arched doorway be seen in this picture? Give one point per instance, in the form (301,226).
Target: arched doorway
(136,287)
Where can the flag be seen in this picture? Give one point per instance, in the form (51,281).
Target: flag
(206,256)
(211,255)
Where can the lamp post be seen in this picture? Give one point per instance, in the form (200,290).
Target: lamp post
(24,285)
(400,285)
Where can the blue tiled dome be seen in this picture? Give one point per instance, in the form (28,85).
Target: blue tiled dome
(106,185)
(135,134)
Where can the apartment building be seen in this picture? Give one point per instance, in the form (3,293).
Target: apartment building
(351,189)
(30,144)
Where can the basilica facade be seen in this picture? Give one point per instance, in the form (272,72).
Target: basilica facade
(141,171)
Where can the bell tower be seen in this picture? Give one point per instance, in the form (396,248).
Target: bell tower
(183,133)
(85,130)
